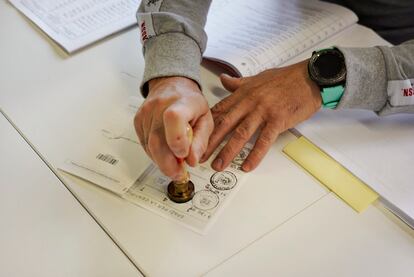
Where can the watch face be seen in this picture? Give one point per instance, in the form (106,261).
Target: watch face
(327,67)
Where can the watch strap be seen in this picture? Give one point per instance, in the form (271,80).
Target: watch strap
(331,96)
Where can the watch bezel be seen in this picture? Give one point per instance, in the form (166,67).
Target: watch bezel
(319,79)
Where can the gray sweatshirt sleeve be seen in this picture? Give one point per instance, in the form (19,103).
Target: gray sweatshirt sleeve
(173,38)
(380,79)
(172,32)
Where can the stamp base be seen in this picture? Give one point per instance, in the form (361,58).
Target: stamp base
(178,195)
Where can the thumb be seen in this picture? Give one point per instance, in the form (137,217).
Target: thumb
(230,83)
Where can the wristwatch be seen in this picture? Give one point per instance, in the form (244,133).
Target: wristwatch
(327,69)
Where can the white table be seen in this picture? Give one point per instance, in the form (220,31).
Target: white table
(55,100)
(44,229)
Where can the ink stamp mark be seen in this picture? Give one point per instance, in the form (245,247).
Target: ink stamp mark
(205,200)
(225,180)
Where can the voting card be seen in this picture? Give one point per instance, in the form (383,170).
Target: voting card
(213,190)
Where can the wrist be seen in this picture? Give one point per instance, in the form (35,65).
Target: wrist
(327,69)
(173,81)
(312,86)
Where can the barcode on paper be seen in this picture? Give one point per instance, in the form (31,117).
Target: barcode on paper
(107,158)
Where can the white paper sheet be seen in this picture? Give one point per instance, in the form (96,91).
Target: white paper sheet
(74,24)
(112,157)
(256,35)
(213,190)
(379,150)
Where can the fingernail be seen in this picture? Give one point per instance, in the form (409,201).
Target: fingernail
(203,159)
(246,167)
(217,164)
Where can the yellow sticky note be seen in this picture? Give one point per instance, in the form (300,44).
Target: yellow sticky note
(331,174)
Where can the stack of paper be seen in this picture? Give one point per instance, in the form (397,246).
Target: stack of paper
(379,150)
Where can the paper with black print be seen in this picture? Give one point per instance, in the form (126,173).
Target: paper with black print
(114,160)
(213,190)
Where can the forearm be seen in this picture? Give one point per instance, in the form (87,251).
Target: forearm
(173,37)
(378,79)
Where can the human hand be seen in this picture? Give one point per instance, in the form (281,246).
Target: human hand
(272,101)
(162,120)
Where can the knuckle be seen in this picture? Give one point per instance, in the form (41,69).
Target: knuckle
(156,102)
(218,108)
(221,106)
(251,96)
(260,151)
(279,124)
(222,121)
(266,139)
(144,109)
(228,152)
(171,113)
(241,133)
(148,104)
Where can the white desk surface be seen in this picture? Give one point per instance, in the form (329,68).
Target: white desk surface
(44,229)
(55,100)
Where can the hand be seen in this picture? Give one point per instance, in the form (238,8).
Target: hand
(272,101)
(162,120)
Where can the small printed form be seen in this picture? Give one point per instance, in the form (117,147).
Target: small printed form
(213,190)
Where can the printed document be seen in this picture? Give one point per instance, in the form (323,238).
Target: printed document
(74,24)
(251,36)
(213,190)
(114,160)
